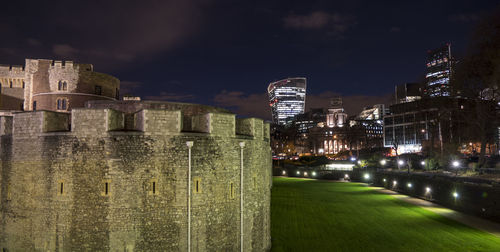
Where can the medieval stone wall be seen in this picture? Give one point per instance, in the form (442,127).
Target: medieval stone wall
(101,187)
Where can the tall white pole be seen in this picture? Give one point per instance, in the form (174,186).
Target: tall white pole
(189,145)
(242,145)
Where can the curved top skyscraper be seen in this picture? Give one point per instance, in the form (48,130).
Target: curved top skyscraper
(287,99)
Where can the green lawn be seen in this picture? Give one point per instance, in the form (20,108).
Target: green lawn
(312,215)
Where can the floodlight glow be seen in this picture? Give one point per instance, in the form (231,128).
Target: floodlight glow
(385,180)
(367,176)
(401,162)
(428,189)
(353,159)
(422,163)
(409,185)
(346,176)
(298,173)
(284,172)
(313,173)
(383,162)
(394,182)
(455,195)
(455,163)
(359,161)
(305,173)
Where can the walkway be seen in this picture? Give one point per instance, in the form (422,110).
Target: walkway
(472,221)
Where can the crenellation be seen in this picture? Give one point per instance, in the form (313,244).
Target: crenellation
(5,125)
(222,124)
(91,188)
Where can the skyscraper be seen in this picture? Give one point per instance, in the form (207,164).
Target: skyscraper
(438,71)
(287,99)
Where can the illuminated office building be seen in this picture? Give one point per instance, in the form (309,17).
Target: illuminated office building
(287,99)
(438,72)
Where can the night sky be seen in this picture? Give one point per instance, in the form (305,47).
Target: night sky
(225,53)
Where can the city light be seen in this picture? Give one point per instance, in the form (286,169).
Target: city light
(455,195)
(385,180)
(427,189)
(367,176)
(313,174)
(353,159)
(401,162)
(394,182)
(455,163)
(409,185)
(422,163)
(383,162)
(298,172)
(346,176)
(305,173)
(359,162)
(284,173)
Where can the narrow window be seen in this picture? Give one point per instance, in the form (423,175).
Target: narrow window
(59,85)
(34,105)
(117,94)
(23,84)
(61,187)
(9,194)
(59,104)
(153,187)
(197,185)
(98,90)
(231,190)
(65,86)
(10,84)
(63,104)
(106,188)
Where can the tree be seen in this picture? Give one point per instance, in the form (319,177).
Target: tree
(478,78)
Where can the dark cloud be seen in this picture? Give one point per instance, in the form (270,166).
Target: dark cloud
(33,42)
(253,105)
(65,51)
(464,17)
(334,23)
(128,87)
(167,96)
(395,29)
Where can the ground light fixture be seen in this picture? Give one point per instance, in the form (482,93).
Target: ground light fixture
(359,162)
(383,162)
(353,159)
(427,189)
(367,176)
(283,172)
(394,182)
(313,173)
(422,163)
(401,162)
(298,172)
(455,195)
(385,180)
(346,176)
(409,185)
(455,163)
(305,173)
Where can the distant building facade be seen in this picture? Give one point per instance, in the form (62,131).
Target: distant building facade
(439,71)
(287,99)
(54,85)
(408,92)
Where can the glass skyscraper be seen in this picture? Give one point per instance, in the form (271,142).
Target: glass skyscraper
(287,99)
(438,72)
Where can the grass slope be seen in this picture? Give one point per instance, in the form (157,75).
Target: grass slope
(311,215)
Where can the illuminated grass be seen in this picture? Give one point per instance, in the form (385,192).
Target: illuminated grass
(310,215)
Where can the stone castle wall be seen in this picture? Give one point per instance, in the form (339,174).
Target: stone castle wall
(87,181)
(11,87)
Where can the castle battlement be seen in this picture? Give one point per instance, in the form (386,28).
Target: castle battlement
(12,68)
(100,121)
(119,174)
(59,64)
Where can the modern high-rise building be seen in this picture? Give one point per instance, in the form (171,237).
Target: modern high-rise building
(287,99)
(439,68)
